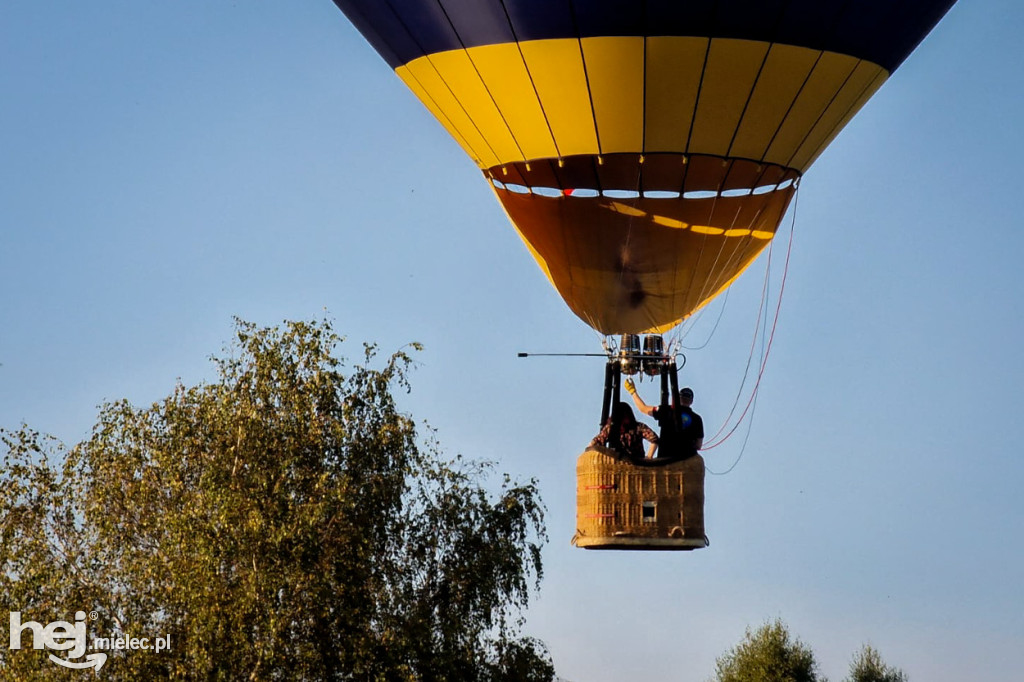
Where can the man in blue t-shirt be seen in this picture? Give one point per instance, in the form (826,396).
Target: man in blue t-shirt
(682,430)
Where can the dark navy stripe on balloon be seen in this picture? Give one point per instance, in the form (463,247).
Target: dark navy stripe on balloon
(880,31)
(475,18)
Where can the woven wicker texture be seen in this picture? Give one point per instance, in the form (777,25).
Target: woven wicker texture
(622,505)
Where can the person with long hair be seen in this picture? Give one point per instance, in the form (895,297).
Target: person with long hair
(624,434)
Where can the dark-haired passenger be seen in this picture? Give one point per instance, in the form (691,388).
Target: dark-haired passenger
(624,434)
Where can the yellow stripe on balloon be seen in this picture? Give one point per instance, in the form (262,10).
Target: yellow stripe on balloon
(729,77)
(449,110)
(865,79)
(503,71)
(674,68)
(616,91)
(785,69)
(725,97)
(428,101)
(556,68)
(828,81)
(469,89)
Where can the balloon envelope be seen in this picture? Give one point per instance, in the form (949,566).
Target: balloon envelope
(645,151)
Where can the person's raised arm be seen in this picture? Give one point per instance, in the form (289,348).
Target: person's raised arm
(637,400)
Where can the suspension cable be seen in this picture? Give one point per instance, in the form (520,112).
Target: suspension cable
(711,334)
(759,324)
(743,448)
(771,336)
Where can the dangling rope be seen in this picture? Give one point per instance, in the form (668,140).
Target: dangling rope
(768,347)
(743,448)
(759,327)
(690,323)
(711,334)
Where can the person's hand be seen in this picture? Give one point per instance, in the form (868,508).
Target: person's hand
(630,386)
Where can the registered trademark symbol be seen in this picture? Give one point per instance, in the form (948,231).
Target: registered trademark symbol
(93,615)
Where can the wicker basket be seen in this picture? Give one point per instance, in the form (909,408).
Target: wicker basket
(651,505)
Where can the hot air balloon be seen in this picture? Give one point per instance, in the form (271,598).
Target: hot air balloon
(645,150)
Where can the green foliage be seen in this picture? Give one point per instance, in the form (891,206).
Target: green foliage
(768,654)
(868,666)
(283,522)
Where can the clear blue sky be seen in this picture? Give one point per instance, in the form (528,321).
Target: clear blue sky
(167,165)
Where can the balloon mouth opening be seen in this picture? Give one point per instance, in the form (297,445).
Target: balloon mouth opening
(644,243)
(664,176)
(619,193)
